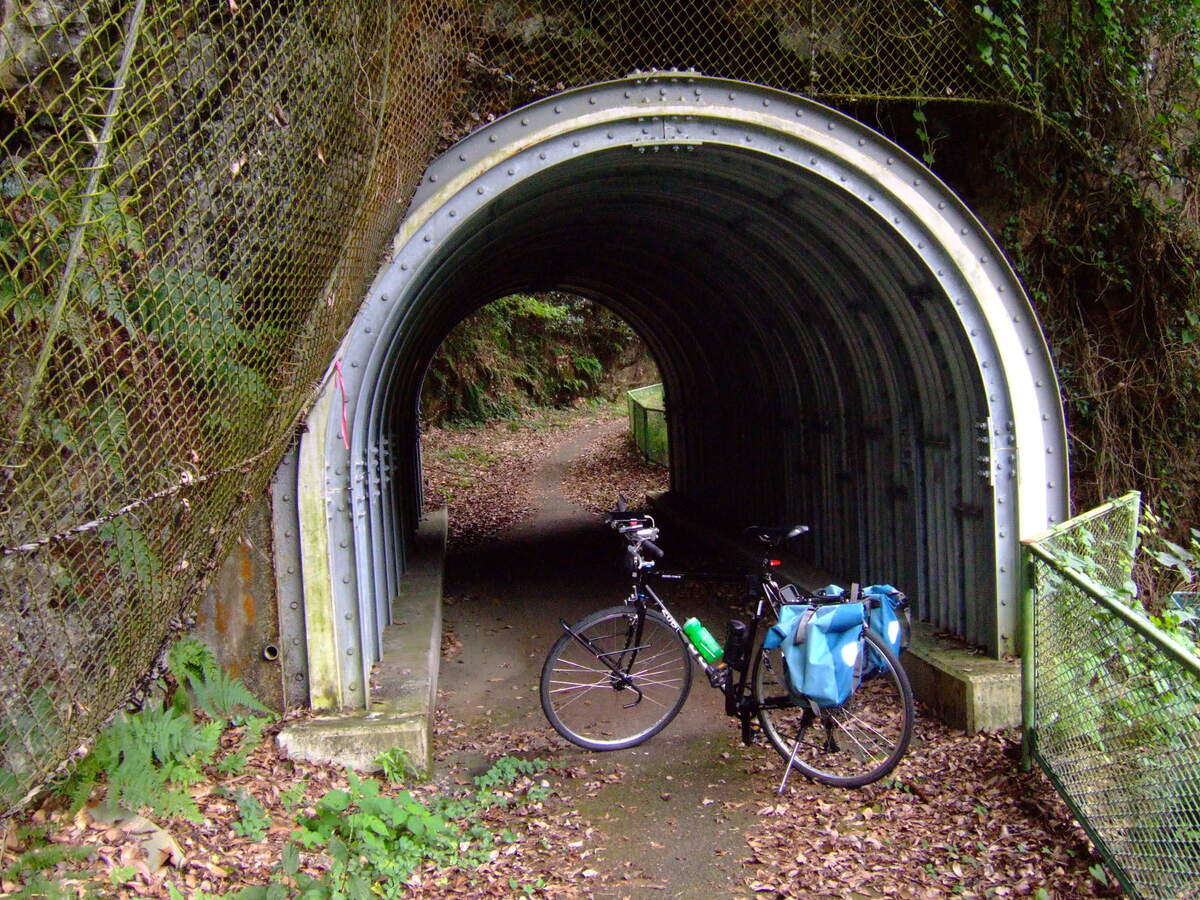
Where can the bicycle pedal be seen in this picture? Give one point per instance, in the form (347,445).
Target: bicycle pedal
(718,676)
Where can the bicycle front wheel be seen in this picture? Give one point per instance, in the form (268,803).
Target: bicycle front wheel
(614,687)
(850,745)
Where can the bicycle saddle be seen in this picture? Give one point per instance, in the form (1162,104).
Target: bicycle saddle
(773,537)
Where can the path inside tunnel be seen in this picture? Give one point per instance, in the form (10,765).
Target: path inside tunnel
(673,823)
(692,813)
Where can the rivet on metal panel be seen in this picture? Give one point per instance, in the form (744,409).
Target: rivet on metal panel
(890,161)
(573,144)
(403,267)
(895,220)
(511,172)
(871,199)
(916,182)
(557,108)
(349,617)
(920,245)
(1045,418)
(433,179)
(628,94)
(984,365)
(542,155)
(383,298)
(349,651)
(941,273)
(428,239)
(294,605)
(354,686)
(287,534)
(368,329)
(812,160)
(732,95)
(698,92)
(462,157)
(591,101)
(342,544)
(299,676)
(345,579)
(799,114)
(830,126)
(295,642)
(974,333)
(1037,383)
(454,212)
(354,365)
(524,121)
(941,205)
(715,132)
(766,102)
(610,135)
(291,570)
(861,142)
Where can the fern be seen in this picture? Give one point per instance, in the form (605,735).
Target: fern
(221,694)
(236,761)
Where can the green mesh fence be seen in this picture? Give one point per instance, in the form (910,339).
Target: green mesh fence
(193,197)
(648,422)
(1112,702)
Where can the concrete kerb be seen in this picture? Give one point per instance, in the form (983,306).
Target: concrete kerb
(965,690)
(401,713)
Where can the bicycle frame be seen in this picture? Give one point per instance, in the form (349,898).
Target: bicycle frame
(739,702)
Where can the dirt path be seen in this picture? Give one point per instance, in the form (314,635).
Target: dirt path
(672,825)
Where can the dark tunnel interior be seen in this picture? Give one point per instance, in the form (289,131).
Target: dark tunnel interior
(814,369)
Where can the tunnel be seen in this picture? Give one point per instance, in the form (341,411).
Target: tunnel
(841,342)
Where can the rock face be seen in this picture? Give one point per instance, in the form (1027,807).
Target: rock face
(34,34)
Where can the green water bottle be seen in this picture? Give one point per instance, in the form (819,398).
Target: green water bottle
(706,645)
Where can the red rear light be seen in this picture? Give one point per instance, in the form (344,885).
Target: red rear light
(777,562)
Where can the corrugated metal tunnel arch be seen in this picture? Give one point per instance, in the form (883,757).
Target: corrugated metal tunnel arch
(841,343)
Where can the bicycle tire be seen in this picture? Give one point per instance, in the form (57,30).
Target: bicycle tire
(589,706)
(874,725)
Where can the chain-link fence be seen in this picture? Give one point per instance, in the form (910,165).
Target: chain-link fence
(648,422)
(1111,704)
(193,197)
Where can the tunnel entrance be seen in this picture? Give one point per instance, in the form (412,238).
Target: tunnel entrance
(841,343)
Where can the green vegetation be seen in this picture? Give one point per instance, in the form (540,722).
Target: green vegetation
(521,352)
(374,839)
(150,758)
(1097,192)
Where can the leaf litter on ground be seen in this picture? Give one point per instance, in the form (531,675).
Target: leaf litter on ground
(957,818)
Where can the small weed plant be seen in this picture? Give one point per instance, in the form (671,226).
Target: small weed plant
(374,840)
(150,758)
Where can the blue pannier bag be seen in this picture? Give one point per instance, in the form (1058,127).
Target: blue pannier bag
(821,647)
(883,619)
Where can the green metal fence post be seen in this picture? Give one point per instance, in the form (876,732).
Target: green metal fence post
(1028,682)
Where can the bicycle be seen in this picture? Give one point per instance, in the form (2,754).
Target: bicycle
(617,677)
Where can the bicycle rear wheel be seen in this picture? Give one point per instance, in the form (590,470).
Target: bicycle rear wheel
(610,707)
(850,745)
